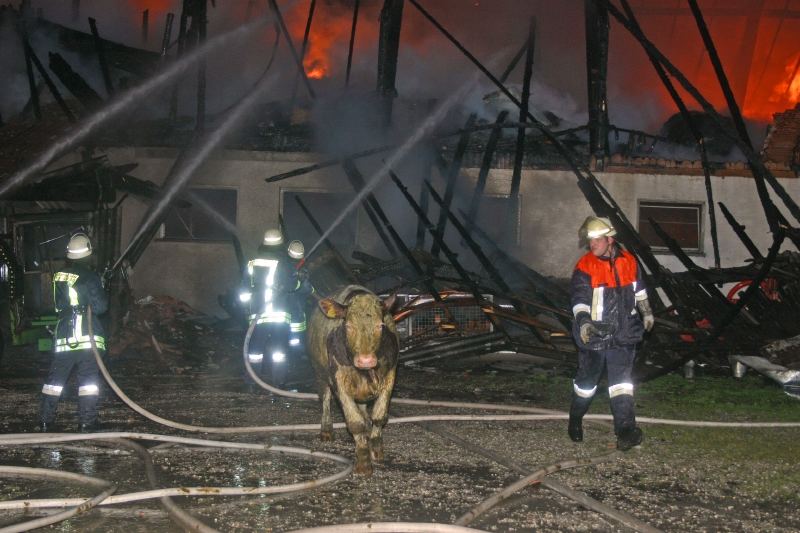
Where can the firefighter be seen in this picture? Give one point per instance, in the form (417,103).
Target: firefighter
(269,277)
(75,287)
(607,290)
(298,296)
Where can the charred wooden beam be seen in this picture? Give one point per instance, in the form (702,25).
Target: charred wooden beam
(423,198)
(476,250)
(595,193)
(739,229)
(75,83)
(597,30)
(352,43)
(483,173)
(34,91)
(451,176)
(452,257)
(167,34)
(311,8)
(760,172)
(145,26)
(200,21)
(182,26)
(519,154)
(749,293)
(48,80)
(327,242)
(687,116)
(388,49)
(328,163)
(357,178)
(297,60)
(101,57)
(719,299)
(370,204)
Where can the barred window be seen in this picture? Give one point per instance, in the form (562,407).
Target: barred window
(681,221)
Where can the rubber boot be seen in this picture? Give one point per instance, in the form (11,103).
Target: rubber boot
(628,438)
(577,409)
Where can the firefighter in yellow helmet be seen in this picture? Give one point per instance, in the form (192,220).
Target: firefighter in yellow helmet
(267,282)
(75,287)
(606,292)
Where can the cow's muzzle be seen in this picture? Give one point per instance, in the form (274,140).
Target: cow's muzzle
(366,361)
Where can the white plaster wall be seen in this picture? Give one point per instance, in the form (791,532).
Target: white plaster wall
(552,210)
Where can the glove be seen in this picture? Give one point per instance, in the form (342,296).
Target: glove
(647,314)
(587,330)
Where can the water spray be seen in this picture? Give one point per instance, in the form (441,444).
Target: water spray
(196,158)
(91,124)
(422,131)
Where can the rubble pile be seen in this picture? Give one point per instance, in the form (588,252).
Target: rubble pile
(171,334)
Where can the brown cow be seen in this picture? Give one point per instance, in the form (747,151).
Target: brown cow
(352,340)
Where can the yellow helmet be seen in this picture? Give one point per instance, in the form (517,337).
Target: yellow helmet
(79,246)
(272,237)
(296,250)
(594,227)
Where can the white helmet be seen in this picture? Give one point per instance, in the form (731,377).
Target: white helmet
(296,250)
(594,227)
(272,237)
(79,246)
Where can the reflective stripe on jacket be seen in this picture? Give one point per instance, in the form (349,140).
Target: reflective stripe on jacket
(75,287)
(607,289)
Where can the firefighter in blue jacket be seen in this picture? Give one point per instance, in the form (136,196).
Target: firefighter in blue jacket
(269,278)
(607,290)
(75,287)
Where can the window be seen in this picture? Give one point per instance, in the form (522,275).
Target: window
(681,221)
(194,221)
(324,207)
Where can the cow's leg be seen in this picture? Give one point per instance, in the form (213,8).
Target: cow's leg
(326,430)
(380,414)
(358,426)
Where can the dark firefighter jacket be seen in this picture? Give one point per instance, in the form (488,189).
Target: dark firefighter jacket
(605,291)
(270,278)
(75,287)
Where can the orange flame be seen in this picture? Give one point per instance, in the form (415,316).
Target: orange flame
(789,88)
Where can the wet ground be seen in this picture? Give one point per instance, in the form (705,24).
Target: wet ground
(667,483)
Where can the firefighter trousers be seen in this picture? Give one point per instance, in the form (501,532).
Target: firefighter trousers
(618,362)
(88,385)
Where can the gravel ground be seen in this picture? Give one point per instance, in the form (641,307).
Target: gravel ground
(668,482)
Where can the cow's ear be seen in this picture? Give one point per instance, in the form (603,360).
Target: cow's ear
(332,309)
(389,302)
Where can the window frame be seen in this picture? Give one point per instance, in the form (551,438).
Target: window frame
(321,190)
(163,226)
(661,203)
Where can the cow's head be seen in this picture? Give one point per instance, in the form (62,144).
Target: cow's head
(365,318)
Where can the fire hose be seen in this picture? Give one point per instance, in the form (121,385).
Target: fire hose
(107,499)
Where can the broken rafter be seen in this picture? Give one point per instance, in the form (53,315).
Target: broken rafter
(297,60)
(48,80)
(596,27)
(74,82)
(451,173)
(451,257)
(687,116)
(101,57)
(370,204)
(352,43)
(483,173)
(739,229)
(327,242)
(755,161)
(355,174)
